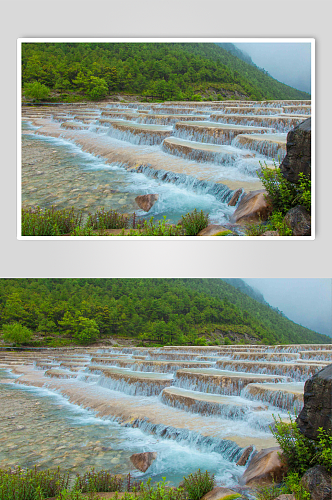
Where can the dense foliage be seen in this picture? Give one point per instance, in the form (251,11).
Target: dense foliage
(166,71)
(165,311)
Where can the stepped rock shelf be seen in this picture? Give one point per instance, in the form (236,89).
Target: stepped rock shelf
(192,154)
(210,402)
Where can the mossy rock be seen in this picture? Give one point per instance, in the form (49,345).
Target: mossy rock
(224,233)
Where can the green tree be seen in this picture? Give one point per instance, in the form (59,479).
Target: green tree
(16,333)
(37,91)
(87,330)
(97,88)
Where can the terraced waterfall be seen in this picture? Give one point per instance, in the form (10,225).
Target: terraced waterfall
(197,407)
(192,154)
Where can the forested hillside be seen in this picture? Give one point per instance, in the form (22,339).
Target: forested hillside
(245,288)
(162,311)
(166,71)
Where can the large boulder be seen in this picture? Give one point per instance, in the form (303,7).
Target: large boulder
(146,201)
(299,220)
(317,482)
(298,157)
(142,461)
(264,468)
(253,207)
(219,493)
(317,409)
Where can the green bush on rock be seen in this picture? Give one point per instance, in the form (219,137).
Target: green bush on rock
(299,452)
(283,195)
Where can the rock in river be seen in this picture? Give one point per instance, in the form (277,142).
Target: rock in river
(142,461)
(253,207)
(264,468)
(146,201)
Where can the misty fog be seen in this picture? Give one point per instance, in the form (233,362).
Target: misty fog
(306,301)
(288,63)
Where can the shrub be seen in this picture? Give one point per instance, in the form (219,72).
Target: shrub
(49,221)
(104,481)
(285,195)
(36,91)
(194,222)
(31,484)
(16,333)
(162,228)
(276,223)
(158,491)
(299,452)
(107,220)
(198,484)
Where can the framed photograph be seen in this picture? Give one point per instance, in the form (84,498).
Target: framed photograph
(166,138)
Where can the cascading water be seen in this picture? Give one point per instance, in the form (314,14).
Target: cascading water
(130,136)
(195,418)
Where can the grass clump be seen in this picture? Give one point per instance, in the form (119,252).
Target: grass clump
(52,222)
(194,222)
(31,484)
(104,481)
(161,228)
(49,221)
(198,484)
(110,219)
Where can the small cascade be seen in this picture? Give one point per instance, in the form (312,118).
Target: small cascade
(107,115)
(296,371)
(214,133)
(217,190)
(205,148)
(229,407)
(219,381)
(305,110)
(287,397)
(57,373)
(71,125)
(282,124)
(265,356)
(174,110)
(130,382)
(138,133)
(228,449)
(169,119)
(202,152)
(255,110)
(270,145)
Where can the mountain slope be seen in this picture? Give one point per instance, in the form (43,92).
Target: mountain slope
(173,71)
(166,311)
(235,51)
(245,288)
